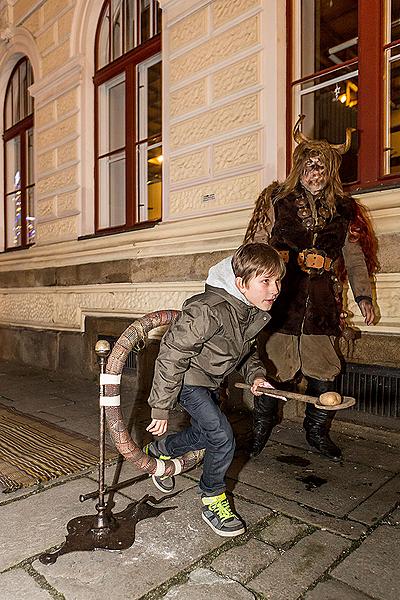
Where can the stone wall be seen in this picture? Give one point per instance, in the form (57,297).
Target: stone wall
(214,112)
(224,139)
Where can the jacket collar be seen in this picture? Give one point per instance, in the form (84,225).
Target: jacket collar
(248,313)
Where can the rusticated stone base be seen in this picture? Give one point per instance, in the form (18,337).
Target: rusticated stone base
(191,267)
(73,351)
(374,349)
(66,351)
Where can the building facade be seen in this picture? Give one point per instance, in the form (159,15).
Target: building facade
(137,136)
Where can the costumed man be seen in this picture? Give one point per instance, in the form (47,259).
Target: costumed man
(323,236)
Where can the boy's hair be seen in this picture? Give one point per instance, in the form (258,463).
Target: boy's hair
(253,259)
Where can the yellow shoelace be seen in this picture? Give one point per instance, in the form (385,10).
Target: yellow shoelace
(222,509)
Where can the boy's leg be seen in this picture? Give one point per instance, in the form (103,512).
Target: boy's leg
(156,449)
(210,429)
(178,443)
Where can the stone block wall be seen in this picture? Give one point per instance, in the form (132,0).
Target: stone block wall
(224,139)
(214,113)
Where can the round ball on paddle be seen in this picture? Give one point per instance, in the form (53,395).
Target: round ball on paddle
(102,348)
(330,399)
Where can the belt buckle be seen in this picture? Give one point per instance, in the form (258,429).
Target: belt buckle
(312,260)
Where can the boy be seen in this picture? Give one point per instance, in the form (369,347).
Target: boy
(213,337)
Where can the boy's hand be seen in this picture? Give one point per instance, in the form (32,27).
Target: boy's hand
(157,426)
(263,383)
(259,382)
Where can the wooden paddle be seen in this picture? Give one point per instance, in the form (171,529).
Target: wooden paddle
(346,401)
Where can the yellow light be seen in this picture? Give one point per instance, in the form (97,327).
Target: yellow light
(156,160)
(349,98)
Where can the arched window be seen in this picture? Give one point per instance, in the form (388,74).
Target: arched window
(128,147)
(18,159)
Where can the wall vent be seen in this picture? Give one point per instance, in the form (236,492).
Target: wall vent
(376,388)
(130,363)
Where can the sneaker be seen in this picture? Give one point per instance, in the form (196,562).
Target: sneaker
(164,484)
(218,514)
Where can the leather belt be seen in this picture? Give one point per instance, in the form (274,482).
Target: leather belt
(312,260)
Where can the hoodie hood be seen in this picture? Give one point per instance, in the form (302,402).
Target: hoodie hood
(222,276)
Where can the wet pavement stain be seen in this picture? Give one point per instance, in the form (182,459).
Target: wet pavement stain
(312,481)
(290,459)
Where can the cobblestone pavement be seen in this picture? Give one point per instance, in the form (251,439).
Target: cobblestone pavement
(316,530)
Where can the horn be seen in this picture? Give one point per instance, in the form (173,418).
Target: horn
(297,134)
(343,148)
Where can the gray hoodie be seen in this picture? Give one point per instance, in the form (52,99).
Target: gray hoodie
(222,276)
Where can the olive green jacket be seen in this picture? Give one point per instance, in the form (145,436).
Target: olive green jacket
(213,336)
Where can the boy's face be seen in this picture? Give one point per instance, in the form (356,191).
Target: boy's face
(261,291)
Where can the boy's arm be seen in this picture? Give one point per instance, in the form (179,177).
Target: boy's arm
(255,374)
(253,368)
(180,344)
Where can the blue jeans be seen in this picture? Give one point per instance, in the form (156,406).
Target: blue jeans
(209,429)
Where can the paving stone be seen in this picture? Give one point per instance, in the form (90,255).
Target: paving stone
(163,547)
(373,568)
(18,585)
(91,474)
(35,519)
(394,518)
(206,585)
(281,531)
(39,521)
(32,395)
(6,497)
(355,449)
(334,488)
(243,562)
(139,488)
(349,529)
(369,453)
(293,572)
(334,590)
(379,503)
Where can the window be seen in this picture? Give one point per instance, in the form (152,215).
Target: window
(392,89)
(344,71)
(128,141)
(18,159)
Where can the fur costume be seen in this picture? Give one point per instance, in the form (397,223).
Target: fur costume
(323,235)
(310,302)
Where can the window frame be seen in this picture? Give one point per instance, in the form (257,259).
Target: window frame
(371,95)
(18,130)
(127,63)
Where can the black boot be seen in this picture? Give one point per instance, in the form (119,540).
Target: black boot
(317,421)
(264,420)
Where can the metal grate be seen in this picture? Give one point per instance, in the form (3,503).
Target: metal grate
(376,388)
(130,363)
